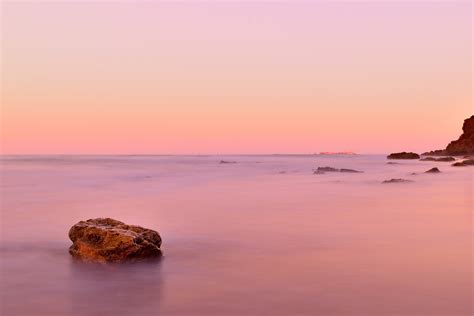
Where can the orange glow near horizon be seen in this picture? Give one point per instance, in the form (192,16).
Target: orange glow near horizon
(200,78)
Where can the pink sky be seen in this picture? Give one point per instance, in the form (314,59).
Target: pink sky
(242,77)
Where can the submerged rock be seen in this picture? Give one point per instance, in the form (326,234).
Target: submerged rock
(397,181)
(443,159)
(464,163)
(109,240)
(433,170)
(403,155)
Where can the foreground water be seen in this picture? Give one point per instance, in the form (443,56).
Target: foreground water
(263,236)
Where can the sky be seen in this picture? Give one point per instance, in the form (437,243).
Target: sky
(195,77)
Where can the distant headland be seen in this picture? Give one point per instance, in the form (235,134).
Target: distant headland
(464,145)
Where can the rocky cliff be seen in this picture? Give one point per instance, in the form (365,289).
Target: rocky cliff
(465,143)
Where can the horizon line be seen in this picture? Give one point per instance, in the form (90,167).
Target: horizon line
(188,154)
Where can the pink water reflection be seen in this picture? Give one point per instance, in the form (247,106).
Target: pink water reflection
(241,239)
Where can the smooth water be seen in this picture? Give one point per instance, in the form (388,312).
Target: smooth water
(263,236)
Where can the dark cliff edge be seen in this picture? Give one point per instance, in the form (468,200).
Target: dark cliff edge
(464,145)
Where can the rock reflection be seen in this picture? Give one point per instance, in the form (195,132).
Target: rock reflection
(115,289)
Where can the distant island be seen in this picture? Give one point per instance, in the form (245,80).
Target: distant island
(328,153)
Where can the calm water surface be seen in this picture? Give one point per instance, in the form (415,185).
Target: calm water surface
(263,236)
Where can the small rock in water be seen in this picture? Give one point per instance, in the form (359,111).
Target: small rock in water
(225,161)
(327,169)
(350,170)
(469,162)
(433,170)
(443,159)
(464,163)
(109,240)
(397,181)
(322,170)
(439,152)
(403,155)
(446,159)
(392,163)
(428,159)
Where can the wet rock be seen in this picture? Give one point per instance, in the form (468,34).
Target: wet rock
(464,163)
(433,170)
(442,159)
(403,155)
(397,181)
(392,163)
(109,240)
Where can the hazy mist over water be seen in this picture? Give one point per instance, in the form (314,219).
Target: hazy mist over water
(262,236)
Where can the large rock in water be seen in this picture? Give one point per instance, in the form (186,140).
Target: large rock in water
(465,143)
(109,240)
(403,155)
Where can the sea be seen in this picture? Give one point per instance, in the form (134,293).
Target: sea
(242,235)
